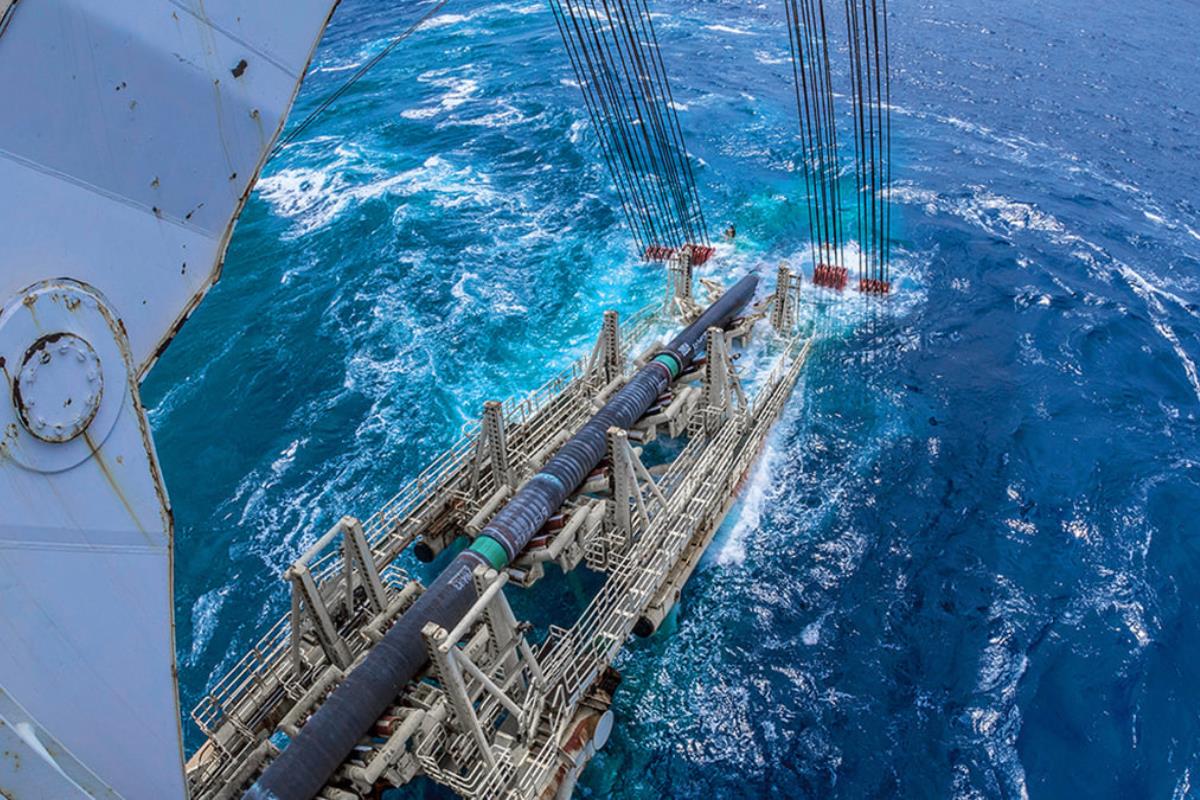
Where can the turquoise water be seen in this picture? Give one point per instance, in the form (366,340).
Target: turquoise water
(968,563)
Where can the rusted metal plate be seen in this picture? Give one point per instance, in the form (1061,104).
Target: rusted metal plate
(131,135)
(85,548)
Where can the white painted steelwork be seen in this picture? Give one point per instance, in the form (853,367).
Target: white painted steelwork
(496,715)
(131,134)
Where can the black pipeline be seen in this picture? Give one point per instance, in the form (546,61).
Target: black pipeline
(306,765)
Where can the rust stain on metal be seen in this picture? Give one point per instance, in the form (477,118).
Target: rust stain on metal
(41,344)
(30,303)
(112,481)
(167,516)
(240,69)
(258,124)
(165,343)
(223,245)
(10,437)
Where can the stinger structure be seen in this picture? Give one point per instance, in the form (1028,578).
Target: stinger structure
(374,678)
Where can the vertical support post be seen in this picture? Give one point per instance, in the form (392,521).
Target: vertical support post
(627,470)
(680,273)
(716,379)
(497,442)
(502,633)
(355,542)
(297,633)
(456,688)
(305,591)
(610,338)
(721,383)
(477,455)
(606,363)
(623,486)
(783,311)
(347,571)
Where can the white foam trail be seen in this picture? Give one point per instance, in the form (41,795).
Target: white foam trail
(811,635)
(1022,148)
(762,486)
(339,67)
(1151,294)
(997,719)
(754,498)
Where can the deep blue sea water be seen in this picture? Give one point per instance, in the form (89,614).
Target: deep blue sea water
(969,565)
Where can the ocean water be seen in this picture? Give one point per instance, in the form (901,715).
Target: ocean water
(968,564)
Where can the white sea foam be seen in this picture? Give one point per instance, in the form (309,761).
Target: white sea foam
(523,10)
(811,635)
(996,716)
(1133,614)
(339,67)
(313,198)
(763,57)
(505,116)
(729,29)
(1024,150)
(442,21)
(754,498)
(459,90)
(287,457)
(1183,787)
(205,613)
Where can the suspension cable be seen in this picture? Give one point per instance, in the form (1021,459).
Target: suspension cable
(870,115)
(617,60)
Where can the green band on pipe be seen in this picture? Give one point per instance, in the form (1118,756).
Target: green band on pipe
(490,549)
(670,362)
